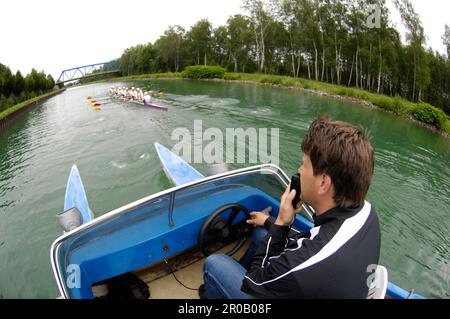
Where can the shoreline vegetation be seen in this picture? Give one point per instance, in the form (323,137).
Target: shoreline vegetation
(18,92)
(396,106)
(16,88)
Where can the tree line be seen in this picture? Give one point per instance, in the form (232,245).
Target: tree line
(344,42)
(15,88)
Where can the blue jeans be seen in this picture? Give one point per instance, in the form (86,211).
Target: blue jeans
(223,275)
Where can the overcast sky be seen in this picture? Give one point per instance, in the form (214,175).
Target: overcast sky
(53,35)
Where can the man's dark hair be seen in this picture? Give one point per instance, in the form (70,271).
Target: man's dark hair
(343,152)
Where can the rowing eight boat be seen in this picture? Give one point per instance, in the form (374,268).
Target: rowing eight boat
(149,104)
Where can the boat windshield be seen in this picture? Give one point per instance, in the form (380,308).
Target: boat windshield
(269,182)
(267,179)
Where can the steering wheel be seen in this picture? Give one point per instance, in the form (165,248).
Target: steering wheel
(224,231)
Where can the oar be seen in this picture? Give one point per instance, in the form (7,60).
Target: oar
(100,98)
(107,103)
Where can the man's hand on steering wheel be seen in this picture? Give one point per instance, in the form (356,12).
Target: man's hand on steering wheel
(259,218)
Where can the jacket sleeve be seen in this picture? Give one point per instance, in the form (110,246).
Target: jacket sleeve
(263,278)
(276,271)
(269,222)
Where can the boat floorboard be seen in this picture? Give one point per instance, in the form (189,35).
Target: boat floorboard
(188,268)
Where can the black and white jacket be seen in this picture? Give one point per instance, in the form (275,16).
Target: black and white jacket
(330,261)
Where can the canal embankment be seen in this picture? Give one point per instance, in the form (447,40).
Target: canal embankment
(15,111)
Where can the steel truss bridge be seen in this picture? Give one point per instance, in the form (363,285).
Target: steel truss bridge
(83,72)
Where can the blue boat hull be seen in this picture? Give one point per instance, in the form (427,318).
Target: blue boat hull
(177,170)
(76,196)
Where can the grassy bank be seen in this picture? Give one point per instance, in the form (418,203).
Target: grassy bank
(422,113)
(19,106)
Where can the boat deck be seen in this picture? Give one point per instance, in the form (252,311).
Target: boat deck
(188,268)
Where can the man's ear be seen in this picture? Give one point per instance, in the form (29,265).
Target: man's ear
(326,184)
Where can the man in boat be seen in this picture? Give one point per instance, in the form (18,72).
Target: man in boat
(336,257)
(130,93)
(147,97)
(137,95)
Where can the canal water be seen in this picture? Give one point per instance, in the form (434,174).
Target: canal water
(113,149)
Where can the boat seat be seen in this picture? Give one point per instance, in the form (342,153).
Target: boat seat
(378,287)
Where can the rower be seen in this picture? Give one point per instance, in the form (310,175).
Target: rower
(148,97)
(137,95)
(160,93)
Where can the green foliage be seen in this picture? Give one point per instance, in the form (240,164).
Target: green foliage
(287,81)
(271,79)
(19,83)
(137,60)
(447,126)
(169,50)
(50,82)
(382,101)
(14,88)
(199,40)
(203,72)
(399,106)
(429,114)
(232,76)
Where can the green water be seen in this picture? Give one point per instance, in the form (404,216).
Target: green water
(113,149)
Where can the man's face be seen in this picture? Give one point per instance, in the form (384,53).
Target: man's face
(308,182)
